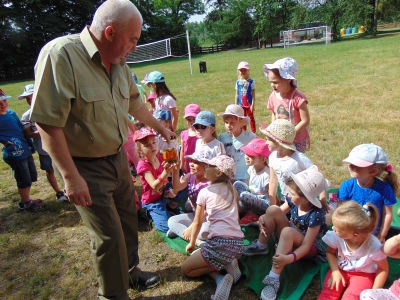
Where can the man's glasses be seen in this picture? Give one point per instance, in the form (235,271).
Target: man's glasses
(199,126)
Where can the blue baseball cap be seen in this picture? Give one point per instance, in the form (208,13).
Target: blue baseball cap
(155,77)
(163,114)
(206,118)
(3,96)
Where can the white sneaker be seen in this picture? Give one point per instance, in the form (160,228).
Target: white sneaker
(223,288)
(233,269)
(271,288)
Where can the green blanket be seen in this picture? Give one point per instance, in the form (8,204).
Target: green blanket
(294,279)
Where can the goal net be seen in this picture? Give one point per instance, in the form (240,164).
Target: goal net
(177,46)
(306,35)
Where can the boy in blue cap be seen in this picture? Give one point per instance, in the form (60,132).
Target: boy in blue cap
(17,153)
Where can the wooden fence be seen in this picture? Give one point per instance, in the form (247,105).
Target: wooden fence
(212,49)
(388,25)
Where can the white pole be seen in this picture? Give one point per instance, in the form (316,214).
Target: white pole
(326,35)
(190,54)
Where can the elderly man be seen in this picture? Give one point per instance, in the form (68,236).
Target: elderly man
(85,91)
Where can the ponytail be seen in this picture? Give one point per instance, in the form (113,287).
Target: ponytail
(235,196)
(390,178)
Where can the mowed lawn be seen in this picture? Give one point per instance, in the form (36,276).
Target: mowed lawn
(354,97)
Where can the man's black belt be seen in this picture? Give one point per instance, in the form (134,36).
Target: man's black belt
(79,158)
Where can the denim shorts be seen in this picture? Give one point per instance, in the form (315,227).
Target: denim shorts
(45,162)
(24,170)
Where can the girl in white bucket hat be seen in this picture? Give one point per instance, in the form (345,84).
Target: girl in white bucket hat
(299,238)
(286,101)
(284,159)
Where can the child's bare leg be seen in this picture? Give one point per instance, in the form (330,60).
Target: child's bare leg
(289,239)
(274,220)
(195,266)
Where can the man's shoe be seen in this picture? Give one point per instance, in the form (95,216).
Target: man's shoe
(146,280)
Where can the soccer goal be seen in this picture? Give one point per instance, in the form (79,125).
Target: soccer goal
(306,35)
(177,46)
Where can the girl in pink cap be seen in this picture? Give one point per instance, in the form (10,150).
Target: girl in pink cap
(188,136)
(246,93)
(253,198)
(286,101)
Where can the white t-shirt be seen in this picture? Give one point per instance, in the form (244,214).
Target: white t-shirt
(224,221)
(296,163)
(361,260)
(165,102)
(209,150)
(258,181)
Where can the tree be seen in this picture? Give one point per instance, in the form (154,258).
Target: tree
(166,18)
(231,24)
(271,16)
(27,25)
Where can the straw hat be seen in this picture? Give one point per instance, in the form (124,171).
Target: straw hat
(282,131)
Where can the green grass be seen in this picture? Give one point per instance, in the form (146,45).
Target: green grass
(353,93)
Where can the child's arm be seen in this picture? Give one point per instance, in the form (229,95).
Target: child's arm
(174,113)
(281,260)
(322,199)
(273,188)
(273,117)
(391,247)
(253,97)
(156,183)
(28,133)
(381,274)
(285,207)
(304,117)
(182,158)
(196,225)
(387,218)
(336,276)
(179,184)
(236,96)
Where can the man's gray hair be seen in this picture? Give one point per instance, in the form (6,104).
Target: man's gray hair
(114,12)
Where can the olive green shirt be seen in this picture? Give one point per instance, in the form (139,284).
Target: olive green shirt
(73,90)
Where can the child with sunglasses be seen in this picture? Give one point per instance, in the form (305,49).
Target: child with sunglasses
(207,145)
